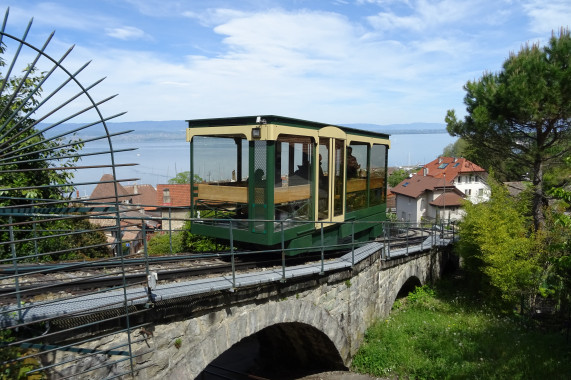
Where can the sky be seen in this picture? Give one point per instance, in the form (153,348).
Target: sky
(336,61)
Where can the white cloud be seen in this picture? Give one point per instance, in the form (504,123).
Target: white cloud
(313,65)
(310,64)
(547,16)
(126,33)
(424,14)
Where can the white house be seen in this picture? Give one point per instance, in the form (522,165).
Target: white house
(437,190)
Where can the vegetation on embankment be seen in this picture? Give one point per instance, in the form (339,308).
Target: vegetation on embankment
(447,333)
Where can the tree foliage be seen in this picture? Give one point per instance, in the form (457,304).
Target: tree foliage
(399,175)
(31,156)
(30,163)
(184,177)
(511,259)
(496,240)
(522,115)
(459,148)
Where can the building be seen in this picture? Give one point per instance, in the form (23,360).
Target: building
(437,190)
(173,202)
(143,195)
(136,204)
(466,176)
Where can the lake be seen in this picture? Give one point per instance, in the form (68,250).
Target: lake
(160,160)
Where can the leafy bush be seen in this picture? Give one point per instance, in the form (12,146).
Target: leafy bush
(160,244)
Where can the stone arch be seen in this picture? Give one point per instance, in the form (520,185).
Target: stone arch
(240,324)
(410,275)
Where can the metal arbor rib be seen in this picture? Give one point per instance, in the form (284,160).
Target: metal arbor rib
(37,140)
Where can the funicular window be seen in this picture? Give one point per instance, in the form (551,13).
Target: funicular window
(323,181)
(357,175)
(378,172)
(293,176)
(220,166)
(339,177)
(259,185)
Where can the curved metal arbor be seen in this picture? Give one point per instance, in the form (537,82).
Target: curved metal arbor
(53,138)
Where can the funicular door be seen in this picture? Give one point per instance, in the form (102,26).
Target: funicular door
(331,175)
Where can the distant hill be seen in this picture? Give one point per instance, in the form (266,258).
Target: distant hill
(175,129)
(402,129)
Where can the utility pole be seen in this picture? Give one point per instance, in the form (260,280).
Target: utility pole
(444,200)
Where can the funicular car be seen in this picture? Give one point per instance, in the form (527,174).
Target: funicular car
(261,180)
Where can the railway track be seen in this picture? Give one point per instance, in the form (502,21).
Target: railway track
(79,278)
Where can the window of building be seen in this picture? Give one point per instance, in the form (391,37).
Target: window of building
(442,166)
(481,192)
(166,197)
(459,179)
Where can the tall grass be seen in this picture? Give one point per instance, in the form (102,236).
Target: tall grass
(438,334)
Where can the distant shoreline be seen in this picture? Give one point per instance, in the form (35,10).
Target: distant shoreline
(134,136)
(174,130)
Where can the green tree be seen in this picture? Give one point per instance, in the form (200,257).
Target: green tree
(498,243)
(523,113)
(459,148)
(30,161)
(30,158)
(184,177)
(399,175)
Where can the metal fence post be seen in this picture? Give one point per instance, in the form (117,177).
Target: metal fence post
(232,256)
(353,242)
(16,275)
(35,239)
(283,251)
(322,249)
(407,226)
(421,237)
(170,230)
(388,237)
(144,237)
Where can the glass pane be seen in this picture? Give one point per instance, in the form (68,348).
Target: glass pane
(339,177)
(357,175)
(378,170)
(323,199)
(292,190)
(259,183)
(220,174)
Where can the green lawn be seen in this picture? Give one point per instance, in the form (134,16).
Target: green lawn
(438,334)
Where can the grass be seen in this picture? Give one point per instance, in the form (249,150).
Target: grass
(439,334)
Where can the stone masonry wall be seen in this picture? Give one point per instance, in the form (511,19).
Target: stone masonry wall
(341,305)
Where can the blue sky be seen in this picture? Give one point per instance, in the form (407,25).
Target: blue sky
(337,61)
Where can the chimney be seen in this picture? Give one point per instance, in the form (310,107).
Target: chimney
(135,189)
(439,160)
(425,172)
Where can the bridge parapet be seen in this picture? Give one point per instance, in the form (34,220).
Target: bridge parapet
(334,308)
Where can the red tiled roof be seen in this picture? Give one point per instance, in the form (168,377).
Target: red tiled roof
(179,193)
(449,166)
(145,195)
(416,185)
(448,199)
(105,190)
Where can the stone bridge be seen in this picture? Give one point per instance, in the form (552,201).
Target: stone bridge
(318,321)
